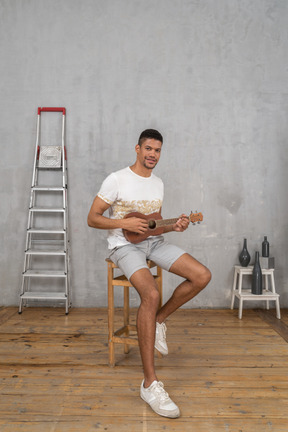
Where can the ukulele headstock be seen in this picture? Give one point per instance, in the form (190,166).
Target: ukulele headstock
(195,217)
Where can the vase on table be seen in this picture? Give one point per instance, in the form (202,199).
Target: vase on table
(257,276)
(265,248)
(244,256)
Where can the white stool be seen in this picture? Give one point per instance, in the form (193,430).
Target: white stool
(246,294)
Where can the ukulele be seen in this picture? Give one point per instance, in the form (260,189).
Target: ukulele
(155,225)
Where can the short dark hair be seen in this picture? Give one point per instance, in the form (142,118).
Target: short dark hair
(150,134)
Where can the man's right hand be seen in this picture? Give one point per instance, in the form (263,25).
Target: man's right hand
(135,224)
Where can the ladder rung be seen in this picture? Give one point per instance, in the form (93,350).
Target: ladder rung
(45,252)
(48,188)
(47,209)
(44,273)
(46,231)
(49,168)
(50,243)
(44,295)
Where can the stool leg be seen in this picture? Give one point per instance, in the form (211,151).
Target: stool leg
(126,316)
(278,314)
(240,308)
(234,289)
(273,283)
(266,287)
(240,278)
(160,285)
(111,317)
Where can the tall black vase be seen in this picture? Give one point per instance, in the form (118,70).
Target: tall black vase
(244,256)
(257,276)
(265,248)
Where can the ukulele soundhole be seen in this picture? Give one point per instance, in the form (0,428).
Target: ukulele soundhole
(152,224)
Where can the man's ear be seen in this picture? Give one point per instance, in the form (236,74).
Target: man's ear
(137,148)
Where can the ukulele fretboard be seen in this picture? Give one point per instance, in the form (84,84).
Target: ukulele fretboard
(165,222)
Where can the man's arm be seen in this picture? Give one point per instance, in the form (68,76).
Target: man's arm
(97,220)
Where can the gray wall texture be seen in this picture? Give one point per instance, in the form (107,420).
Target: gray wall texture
(211,75)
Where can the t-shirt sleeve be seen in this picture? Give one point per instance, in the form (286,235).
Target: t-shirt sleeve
(109,189)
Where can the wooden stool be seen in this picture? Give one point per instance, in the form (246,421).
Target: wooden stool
(247,295)
(122,335)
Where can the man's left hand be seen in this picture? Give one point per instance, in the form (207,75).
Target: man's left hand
(181,224)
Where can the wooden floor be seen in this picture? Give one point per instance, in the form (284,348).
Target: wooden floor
(225,374)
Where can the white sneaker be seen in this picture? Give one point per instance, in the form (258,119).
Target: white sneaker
(159,400)
(160,338)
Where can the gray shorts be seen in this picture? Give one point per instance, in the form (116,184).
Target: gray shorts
(132,257)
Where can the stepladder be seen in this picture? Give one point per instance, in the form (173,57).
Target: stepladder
(46,270)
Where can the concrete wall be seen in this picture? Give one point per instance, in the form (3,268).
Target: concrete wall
(211,75)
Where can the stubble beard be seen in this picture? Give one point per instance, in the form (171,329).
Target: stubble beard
(148,166)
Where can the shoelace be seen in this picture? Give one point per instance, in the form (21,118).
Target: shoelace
(158,388)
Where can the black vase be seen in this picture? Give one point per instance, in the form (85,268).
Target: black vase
(244,256)
(257,276)
(265,248)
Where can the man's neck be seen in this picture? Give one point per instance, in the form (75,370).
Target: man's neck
(141,170)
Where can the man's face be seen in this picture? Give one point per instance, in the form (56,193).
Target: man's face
(148,154)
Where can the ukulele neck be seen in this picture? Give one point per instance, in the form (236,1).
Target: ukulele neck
(166,222)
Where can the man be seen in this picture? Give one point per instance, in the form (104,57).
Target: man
(137,189)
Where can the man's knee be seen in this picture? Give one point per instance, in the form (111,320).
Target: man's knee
(204,277)
(200,277)
(151,297)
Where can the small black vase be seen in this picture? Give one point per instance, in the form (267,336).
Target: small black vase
(257,276)
(265,248)
(244,256)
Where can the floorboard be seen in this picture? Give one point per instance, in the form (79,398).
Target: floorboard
(225,374)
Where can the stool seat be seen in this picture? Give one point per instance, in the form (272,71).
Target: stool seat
(123,334)
(246,294)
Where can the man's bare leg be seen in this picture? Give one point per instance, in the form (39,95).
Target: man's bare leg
(197,277)
(144,283)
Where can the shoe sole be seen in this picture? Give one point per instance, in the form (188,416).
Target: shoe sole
(161,414)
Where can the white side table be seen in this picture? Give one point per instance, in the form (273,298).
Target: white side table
(246,294)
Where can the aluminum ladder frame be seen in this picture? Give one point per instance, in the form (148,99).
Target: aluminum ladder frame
(51,246)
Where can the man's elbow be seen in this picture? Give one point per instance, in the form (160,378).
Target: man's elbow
(90,222)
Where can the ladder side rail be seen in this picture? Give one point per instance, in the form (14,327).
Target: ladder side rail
(67,212)
(35,172)
(67,303)
(25,264)
(67,239)
(28,241)
(26,282)
(64,221)
(29,223)
(63,152)
(65,264)
(36,147)
(66,269)
(64,199)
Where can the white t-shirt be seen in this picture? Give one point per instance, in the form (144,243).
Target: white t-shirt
(128,192)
